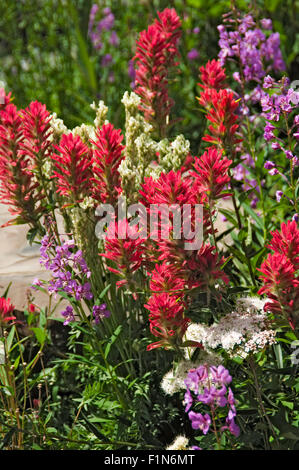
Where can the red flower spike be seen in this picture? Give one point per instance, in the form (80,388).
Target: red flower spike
(127,253)
(281,287)
(286,242)
(212,75)
(169,188)
(6,309)
(205,268)
(18,189)
(165,278)
(106,160)
(222,118)
(167,320)
(211,173)
(156,51)
(36,130)
(73,168)
(277,273)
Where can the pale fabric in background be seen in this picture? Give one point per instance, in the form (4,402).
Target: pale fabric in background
(19,262)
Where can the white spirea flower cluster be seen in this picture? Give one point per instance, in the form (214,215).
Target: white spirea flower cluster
(243,331)
(180,443)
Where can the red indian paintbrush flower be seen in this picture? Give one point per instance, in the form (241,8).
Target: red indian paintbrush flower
(18,187)
(280,273)
(166,278)
(169,188)
(205,268)
(6,310)
(73,168)
(212,75)
(107,156)
(223,119)
(211,173)
(156,52)
(167,320)
(286,242)
(36,130)
(125,249)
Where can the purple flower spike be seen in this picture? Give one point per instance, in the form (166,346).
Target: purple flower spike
(198,421)
(268,82)
(106,60)
(68,314)
(193,54)
(99,312)
(220,375)
(269,165)
(279,195)
(114,39)
(188,400)
(266,23)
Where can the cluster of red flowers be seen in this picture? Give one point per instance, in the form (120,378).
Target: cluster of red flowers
(156,54)
(107,156)
(72,167)
(280,273)
(85,171)
(6,310)
(19,188)
(79,170)
(172,269)
(220,106)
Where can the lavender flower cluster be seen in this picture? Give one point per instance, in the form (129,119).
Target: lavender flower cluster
(241,173)
(252,47)
(279,105)
(208,385)
(66,268)
(95,29)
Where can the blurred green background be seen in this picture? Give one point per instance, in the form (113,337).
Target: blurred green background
(47,55)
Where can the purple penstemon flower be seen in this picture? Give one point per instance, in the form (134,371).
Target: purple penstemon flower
(114,39)
(256,52)
(199,421)
(193,54)
(100,312)
(68,314)
(69,270)
(212,382)
(269,165)
(106,60)
(279,195)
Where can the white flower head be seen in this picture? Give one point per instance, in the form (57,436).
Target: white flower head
(180,443)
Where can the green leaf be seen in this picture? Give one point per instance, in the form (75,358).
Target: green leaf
(92,428)
(87,67)
(10,338)
(112,340)
(104,292)
(248,240)
(40,335)
(6,290)
(278,355)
